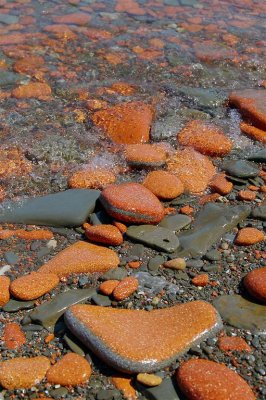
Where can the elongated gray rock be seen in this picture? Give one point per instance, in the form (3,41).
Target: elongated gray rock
(47,314)
(241,168)
(69,208)
(211,224)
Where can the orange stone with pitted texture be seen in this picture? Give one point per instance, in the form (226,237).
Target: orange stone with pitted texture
(28,65)
(91,178)
(145,155)
(40,234)
(124,384)
(253,132)
(255,283)
(13,336)
(221,185)
(132,202)
(249,236)
(247,195)
(34,285)
(206,138)
(233,343)
(131,340)
(107,234)
(125,288)
(108,287)
(81,257)
(126,123)
(164,185)
(4,290)
(22,372)
(72,369)
(194,169)
(38,90)
(201,280)
(208,380)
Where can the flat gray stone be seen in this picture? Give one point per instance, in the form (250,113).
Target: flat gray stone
(48,313)
(69,208)
(11,257)
(259,212)
(115,273)
(241,313)
(156,237)
(175,222)
(8,78)
(8,19)
(14,305)
(240,168)
(167,390)
(259,156)
(101,300)
(213,221)
(155,262)
(100,218)
(203,98)
(74,344)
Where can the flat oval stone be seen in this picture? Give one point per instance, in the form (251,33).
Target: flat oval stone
(34,285)
(72,369)
(106,234)
(255,283)
(259,212)
(164,185)
(132,202)
(145,155)
(131,340)
(241,313)
(81,257)
(154,236)
(240,168)
(248,236)
(22,372)
(208,380)
(125,288)
(175,222)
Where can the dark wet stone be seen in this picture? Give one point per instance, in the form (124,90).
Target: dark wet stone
(108,394)
(241,313)
(14,305)
(166,390)
(259,212)
(100,218)
(156,237)
(155,262)
(213,255)
(32,328)
(213,221)
(8,19)
(137,250)
(44,251)
(210,268)
(58,393)
(175,222)
(194,263)
(48,313)
(11,258)
(203,98)
(74,344)
(68,208)
(8,78)
(101,300)
(240,168)
(116,273)
(259,156)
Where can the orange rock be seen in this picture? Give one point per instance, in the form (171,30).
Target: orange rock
(124,384)
(252,105)
(249,236)
(13,163)
(74,18)
(145,155)
(13,336)
(22,372)
(126,123)
(247,195)
(40,234)
(14,38)
(221,185)
(233,343)
(95,104)
(194,169)
(208,380)
(206,138)
(28,65)
(253,188)
(61,31)
(81,257)
(187,210)
(6,234)
(123,88)
(49,338)
(34,285)
(207,198)
(134,264)
(255,283)
(253,132)
(90,178)
(108,287)
(72,369)
(164,185)
(125,288)
(107,234)
(38,90)
(120,226)
(201,280)
(4,290)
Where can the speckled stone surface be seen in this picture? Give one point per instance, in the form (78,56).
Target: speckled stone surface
(32,286)
(81,257)
(255,284)
(131,340)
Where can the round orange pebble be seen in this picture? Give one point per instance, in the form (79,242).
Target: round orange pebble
(72,369)
(221,185)
(255,283)
(4,290)
(233,343)
(34,285)
(91,178)
(208,380)
(13,336)
(107,234)
(164,185)
(125,288)
(145,155)
(108,287)
(249,236)
(247,195)
(201,280)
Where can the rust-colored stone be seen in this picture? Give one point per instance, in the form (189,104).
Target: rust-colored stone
(208,380)
(164,185)
(120,226)
(249,236)
(255,283)
(38,90)
(200,280)
(90,178)
(125,288)
(124,384)
(221,185)
(28,65)
(247,195)
(72,369)
(145,155)
(13,163)
(40,234)
(108,287)
(13,336)
(107,234)
(34,285)
(187,210)
(126,123)
(4,290)
(74,18)
(253,132)
(233,343)
(81,257)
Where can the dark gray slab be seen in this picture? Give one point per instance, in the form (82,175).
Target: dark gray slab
(259,212)
(14,305)
(259,156)
(175,222)
(240,168)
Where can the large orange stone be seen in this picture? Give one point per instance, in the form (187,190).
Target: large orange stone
(34,285)
(132,202)
(249,236)
(81,257)
(91,178)
(208,380)
(126,123)
(194,169)
(22,372)
(131,340)
(13,336)
(206,138)
(164,185)
(38,90)
(4,290)
(255,283)
(72,369)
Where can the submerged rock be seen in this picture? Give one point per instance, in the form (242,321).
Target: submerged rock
(68,208)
